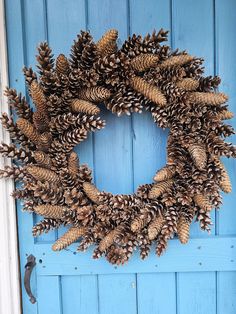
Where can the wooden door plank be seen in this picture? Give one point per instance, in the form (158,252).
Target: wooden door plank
(226,293)
(49,295)
(112,145)
(117,294)
(156,293)
(79,294)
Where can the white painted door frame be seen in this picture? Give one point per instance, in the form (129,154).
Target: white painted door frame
(10,295)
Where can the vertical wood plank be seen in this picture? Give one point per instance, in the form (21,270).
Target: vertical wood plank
(49,295)
(225,13)
(117,294)
(112,145)
(79,294)
(156,293)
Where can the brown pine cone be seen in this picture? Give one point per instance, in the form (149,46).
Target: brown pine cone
(42,159)
(198,154)
(188,84)
(72,235)
(69,139)
(139,222)
(203,202)
(107,44)
(226,115)
(154,227)
(175,61)
(225,183)
(42,174)
(73,163)
(41,121)
(149,91)
(183,229)
(80,105)
(45,140)
(94,94)
(28,130)
(144,62)
(62,65)
(13,172)
(29,75)
(165,173)
(45,225)
(91,191)
(214,99)
(11,151)
(108,240)
(160,188)
(38,97)
(50,211)
(204,219)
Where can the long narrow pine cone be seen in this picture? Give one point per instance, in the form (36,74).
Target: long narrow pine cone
(38,97)
(95,94)
(28,130)
(42,174)
(107,44)
(160,188)
(225,183)
(62,65)
(139,223)
(183,229)
(203,202)
(149,91)
(226,115)
(214,99)
(73,163)
(71,236)
(165,173)
(42,159)
(155,226)
(85,106)
(91,191)
(188,84)
(175,61)
(45,225)
(50,211)
(144,62)
(108,240)
(198,154)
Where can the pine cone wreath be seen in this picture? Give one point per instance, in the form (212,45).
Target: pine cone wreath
(67,93)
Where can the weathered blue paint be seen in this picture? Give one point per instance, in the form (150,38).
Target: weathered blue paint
(199,278)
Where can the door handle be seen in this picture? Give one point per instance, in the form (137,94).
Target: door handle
(28,270)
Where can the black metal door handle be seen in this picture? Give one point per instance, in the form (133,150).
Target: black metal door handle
(28,270)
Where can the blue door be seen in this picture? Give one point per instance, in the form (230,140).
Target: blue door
(199,278)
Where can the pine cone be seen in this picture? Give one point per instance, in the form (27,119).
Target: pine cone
(209,83)
(149,91)
(73,163)
(107,44)
(139,222)
(144,62)
(80,105)
(42,159)
(214,99)
(69,139)
(14,172)
(30,76)
(46,225)
(165,173)
(108,240)
(41,121)
(62,65)
(188,84)
(94,94)
(50,211)
(42,174)
(154,227)
(48,192)
(175,61)
(203,202)
(198,154)
(68,238)
(204,219)
(183,227)
(226,115)
(28,130)
(91,191)
(225,183)
(160,188)
(38,97)
(12,152)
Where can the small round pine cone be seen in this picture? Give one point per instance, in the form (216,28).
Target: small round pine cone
(71,236)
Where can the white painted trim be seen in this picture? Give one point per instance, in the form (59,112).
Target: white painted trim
(10,296)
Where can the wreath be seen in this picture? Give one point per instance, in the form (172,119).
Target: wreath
(142,74)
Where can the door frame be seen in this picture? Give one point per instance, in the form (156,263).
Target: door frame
(10,293)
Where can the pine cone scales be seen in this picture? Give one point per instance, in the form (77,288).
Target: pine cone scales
(183,227)
(72,235)
(144,62)
(43,174)
(91,191)
(198,154)
(225,183)
(79,105)
(165,173)
(38,96)
(154,227)
(159,188)
(107,44)
(94,94)
(149,91)
(108,240)
(28,130)
(50,211)
(73,163)
(62,65)
(42,159)
(45,225)
(226,115)
(203,202)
